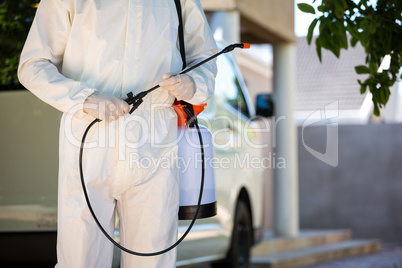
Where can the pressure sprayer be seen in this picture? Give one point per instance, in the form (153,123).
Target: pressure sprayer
(205,207)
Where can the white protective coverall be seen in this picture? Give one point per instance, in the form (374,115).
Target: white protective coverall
(77,47)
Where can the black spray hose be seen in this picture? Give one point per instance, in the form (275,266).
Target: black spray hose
(136,101)
(99,224)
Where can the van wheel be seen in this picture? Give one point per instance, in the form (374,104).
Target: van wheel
(239,253)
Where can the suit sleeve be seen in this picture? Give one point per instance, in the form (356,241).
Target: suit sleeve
(199,44)
(42,57)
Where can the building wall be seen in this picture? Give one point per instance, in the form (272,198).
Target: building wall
(363,192)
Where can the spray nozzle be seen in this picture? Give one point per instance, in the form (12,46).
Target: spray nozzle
(246,45)
(237,45)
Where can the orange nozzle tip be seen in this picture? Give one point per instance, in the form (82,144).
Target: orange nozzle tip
(245,45)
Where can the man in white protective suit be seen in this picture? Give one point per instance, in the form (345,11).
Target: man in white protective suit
(83,57)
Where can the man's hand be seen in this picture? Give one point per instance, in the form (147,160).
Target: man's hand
(181,86)
(105,107)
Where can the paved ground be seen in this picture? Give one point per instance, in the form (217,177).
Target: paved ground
(389,257)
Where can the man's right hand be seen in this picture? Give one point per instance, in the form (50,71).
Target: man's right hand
(106,107)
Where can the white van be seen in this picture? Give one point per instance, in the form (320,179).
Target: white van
(231,117)
(28,186)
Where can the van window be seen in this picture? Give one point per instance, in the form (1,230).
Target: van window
(227,85)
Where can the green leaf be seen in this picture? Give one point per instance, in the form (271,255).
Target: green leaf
(326,40)
(382,95)
(321,8)
(385,94)
(338,13)
(311,30)
(393,69)
(318,49)
(343,39)
(373,67)
(361,69)
(372,26)
(338,9)
(376,109)
(363,89)
(337,49)
(306,8)
(353,41)
(352,29)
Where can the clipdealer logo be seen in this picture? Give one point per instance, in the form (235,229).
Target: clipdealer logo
(331,115)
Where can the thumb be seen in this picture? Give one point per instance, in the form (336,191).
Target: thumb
(167,76)
(126,107)
(172,80)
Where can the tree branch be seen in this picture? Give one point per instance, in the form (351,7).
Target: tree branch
(399,27)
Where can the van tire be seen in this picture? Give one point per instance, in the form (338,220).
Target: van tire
(239,253)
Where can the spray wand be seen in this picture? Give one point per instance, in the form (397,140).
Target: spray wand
(136,100)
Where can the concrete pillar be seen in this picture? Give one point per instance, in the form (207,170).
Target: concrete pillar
(226,26)
(286,203)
